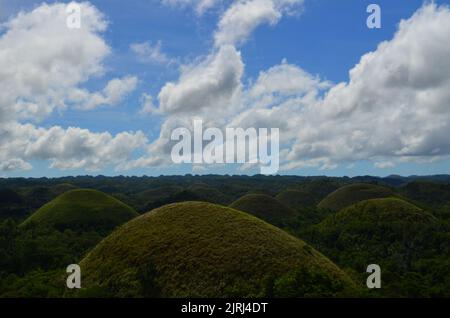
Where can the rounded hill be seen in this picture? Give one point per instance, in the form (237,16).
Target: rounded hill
(354,193)
(82,209)
(387,231)
(262,206)
(10,197)
(377,212)
(199,249)
(296,199)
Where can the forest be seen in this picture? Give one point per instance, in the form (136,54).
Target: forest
(225,236)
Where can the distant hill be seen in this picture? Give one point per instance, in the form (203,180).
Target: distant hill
(263,206)
(82,210)
(12,204)
(197,249)
(353,193)
(158,193)
(296,199)
(37,195)
(429,193)
(377,211)
(319,187)
(389,232)
(210,194)
(62,188)
(10,197)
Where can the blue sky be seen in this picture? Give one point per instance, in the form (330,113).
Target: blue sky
(326,40)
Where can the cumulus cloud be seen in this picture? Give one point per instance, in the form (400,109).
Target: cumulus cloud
(200,6)
(286,79)
(394,108)
(384,164)
(41,59)
(244,16)
(396,104)
(14,164)
(69,148)
(113,93)
(151,53)
(212,83)
(42,66)
(148,106)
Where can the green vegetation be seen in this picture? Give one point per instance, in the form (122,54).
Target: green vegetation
(390,232)
(430,193)
(296,199)
(353,193)
(82,210)
(402,224)
(209,194)
(264,207)
(199,249)
(31,257)
(12,204)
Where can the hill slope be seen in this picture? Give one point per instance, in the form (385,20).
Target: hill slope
(354,193)
(197,249)
(82,209)
(389,232)
(430,193)
(377,212)
(262,206)
(296,199)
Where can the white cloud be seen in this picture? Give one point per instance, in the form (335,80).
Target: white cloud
(212,83)
(396,104)
(286,79)
(148,106)
(393,109)
(384,164)
(113,93)
(149,53)
(42,65)
(69,148)
(41,59)
(14,164)
(200,6)
(244,16)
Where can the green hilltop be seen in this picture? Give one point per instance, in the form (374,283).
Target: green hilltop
(82,209)
(198,249)
(377,212)
(296,199)
(263,206)
(389,232)
(353,193)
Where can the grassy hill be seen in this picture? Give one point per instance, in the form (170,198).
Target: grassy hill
(378,212)
(82,209)
(12,205)
(389,232)
(197,249)
(210,194)
(10,197)
(296,199)
(429,193)
(62,188)
(263,206)
(320,187)
(353,193)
